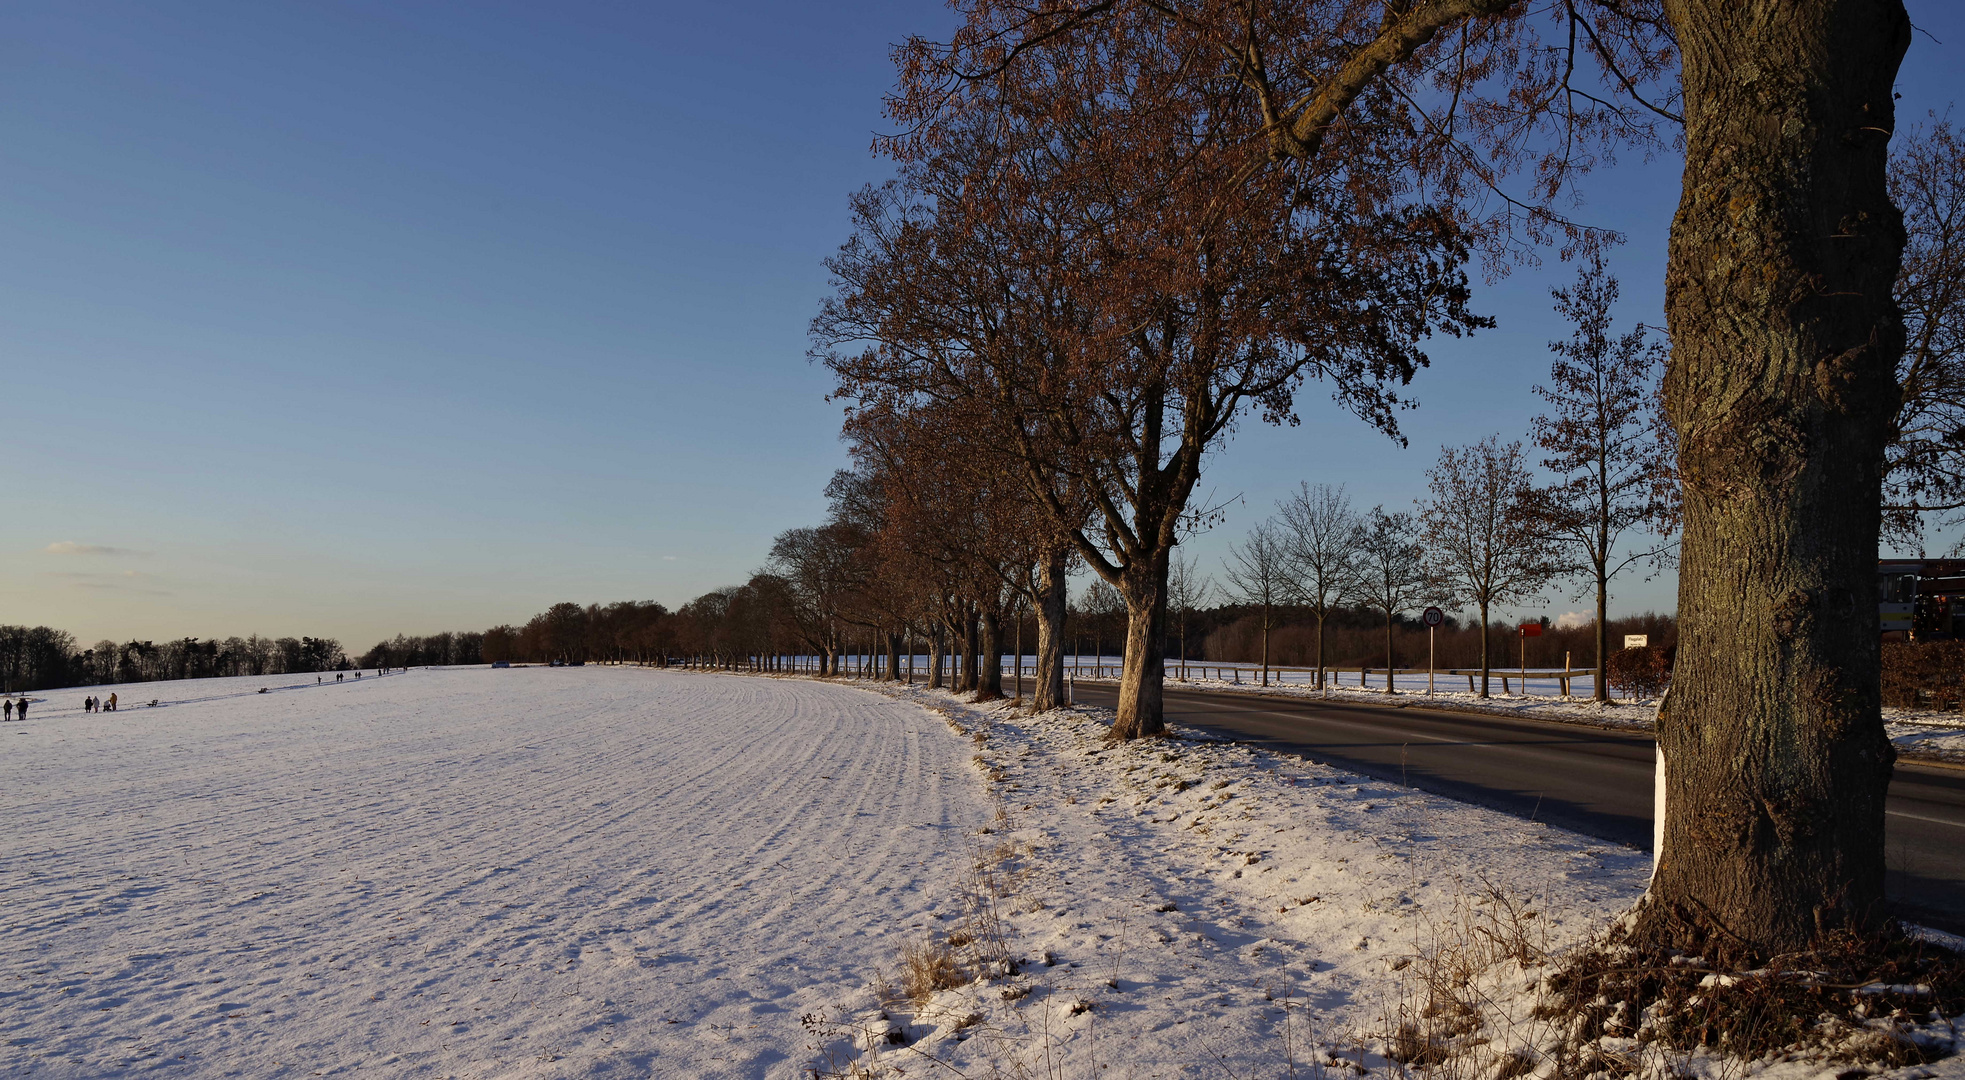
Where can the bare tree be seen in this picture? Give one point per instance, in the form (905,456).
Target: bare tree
(1323,537)
(1100,605)
(1785,334)
(1608,445)
(1478,529)
(1391,578)
(820,568)
(1187,589)
(1925,483)
(1258,575)
(1061,250)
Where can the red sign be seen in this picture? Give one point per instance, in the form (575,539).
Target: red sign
(1531,629)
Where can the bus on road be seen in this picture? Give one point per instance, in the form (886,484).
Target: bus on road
(1921,599)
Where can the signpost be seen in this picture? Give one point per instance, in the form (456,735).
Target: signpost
(1433,618)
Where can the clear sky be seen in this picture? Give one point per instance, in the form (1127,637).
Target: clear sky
(356,318)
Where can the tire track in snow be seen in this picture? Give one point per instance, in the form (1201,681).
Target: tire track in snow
(540,872)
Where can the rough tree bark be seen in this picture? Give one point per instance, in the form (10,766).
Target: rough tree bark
(989,665)
(1142,676)
(1050,608)
(1785,339)
(935,658)
(971,653)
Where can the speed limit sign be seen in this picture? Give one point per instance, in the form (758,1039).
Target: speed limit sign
(1434,616)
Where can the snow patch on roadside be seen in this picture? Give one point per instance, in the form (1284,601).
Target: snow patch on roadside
(1190,902)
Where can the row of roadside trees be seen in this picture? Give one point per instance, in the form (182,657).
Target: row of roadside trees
(1491,532)
(1118,228)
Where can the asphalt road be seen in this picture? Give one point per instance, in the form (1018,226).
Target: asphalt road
(1586,779)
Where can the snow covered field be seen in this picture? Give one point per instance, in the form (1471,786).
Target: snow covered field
(619,872)
(535,872)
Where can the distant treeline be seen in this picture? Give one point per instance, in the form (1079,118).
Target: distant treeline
(629,631)
(731,625)
(1357,638)
(40,657)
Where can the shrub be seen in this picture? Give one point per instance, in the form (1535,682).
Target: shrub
(1643,672)
(1933,670)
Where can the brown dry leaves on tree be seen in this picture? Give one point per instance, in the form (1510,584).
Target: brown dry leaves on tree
(1087,246)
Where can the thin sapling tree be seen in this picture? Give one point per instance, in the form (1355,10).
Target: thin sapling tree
(1608,446)
(1391,577)
(1478,526)
(1258,575)
(1187,590)
(1323,537)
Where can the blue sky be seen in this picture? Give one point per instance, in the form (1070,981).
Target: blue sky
(352,319)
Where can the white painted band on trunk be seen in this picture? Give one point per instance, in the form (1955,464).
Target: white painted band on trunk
(1658,786)
(1658,812)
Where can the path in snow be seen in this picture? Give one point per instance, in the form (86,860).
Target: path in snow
(534,872)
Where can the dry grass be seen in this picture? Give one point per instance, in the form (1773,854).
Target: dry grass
(1853,997)
(1452,1005)
(929,967)
(977,946)
(1484,998)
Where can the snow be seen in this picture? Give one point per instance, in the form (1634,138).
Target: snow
(1217,908)
(1264,905)
(531,872)
(627,872)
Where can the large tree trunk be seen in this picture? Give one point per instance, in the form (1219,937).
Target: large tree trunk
(1781,386)
(1142,678)
(1051,597)
(971,651)
(989,666)
(935,658)
(893,658)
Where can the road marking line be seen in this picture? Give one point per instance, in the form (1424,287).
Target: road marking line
(1921,817)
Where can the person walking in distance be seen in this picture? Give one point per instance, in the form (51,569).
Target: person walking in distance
(112,703)
(9,708)
(20,709)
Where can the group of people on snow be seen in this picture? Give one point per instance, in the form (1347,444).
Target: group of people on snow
(17,710)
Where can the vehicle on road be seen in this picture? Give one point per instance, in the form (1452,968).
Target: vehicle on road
(1921,599)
